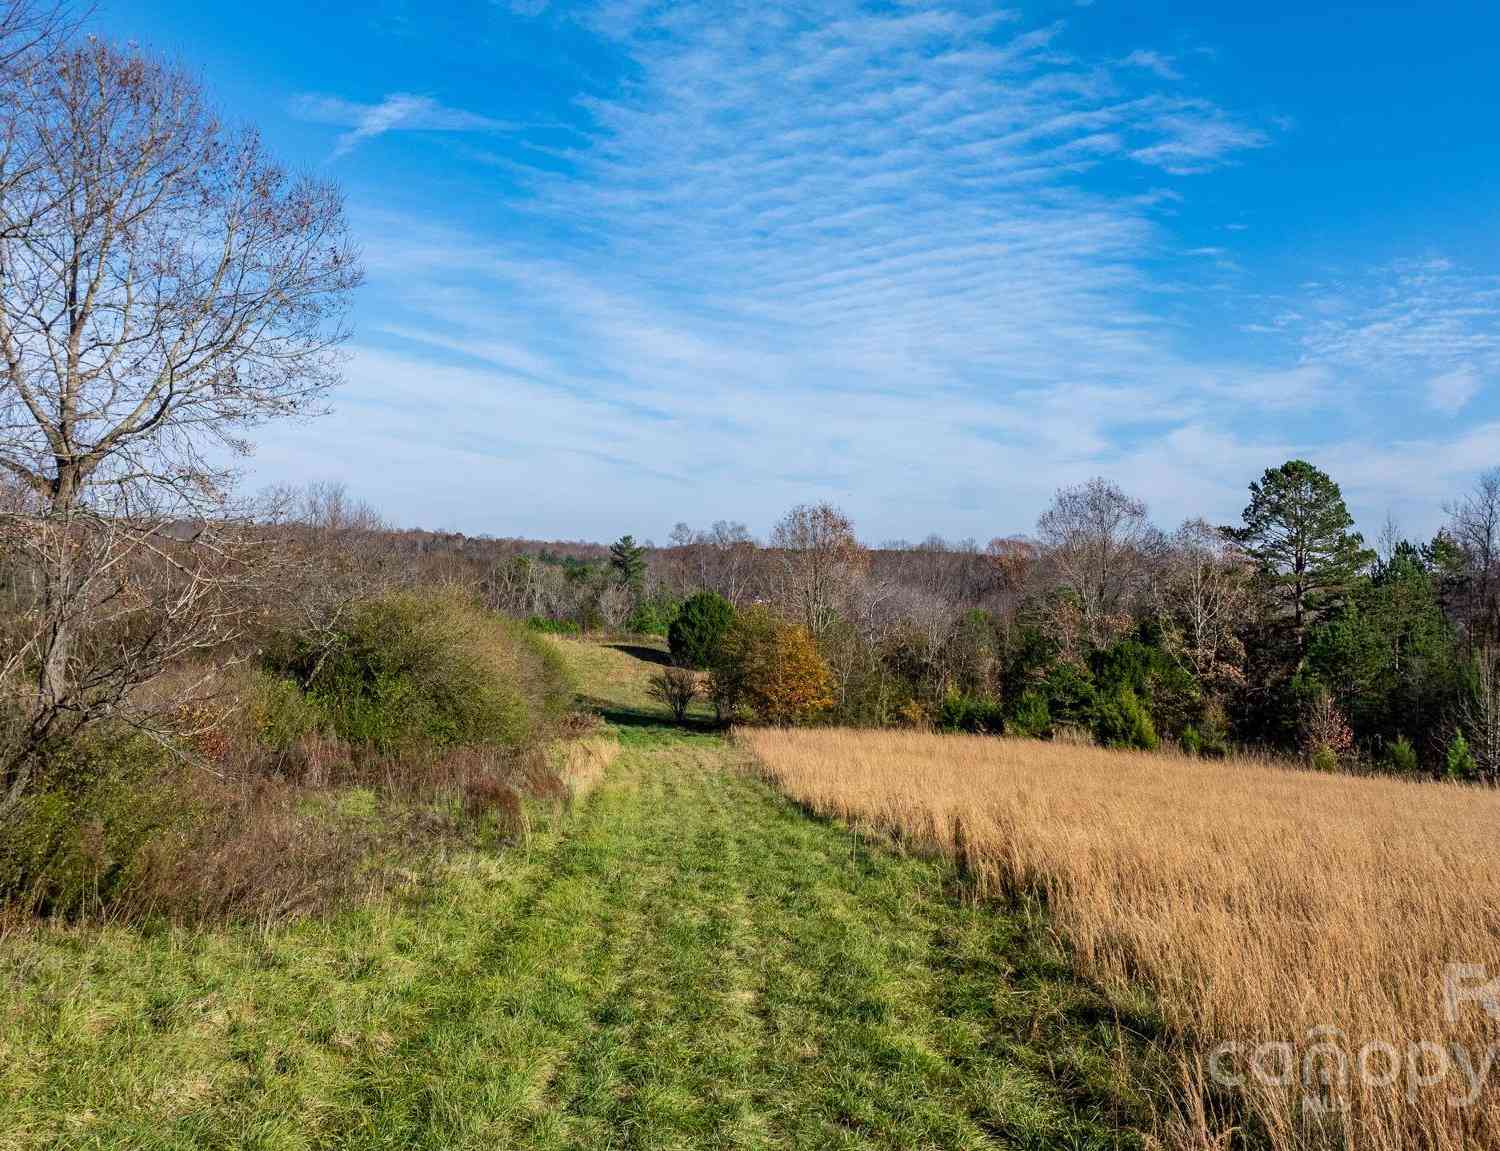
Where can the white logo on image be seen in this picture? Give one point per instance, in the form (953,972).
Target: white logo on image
(1470,983)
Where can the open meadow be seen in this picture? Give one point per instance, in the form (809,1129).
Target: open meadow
(1258,906)
(679,958)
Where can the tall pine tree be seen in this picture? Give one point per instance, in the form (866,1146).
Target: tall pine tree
(628,560)
(1297,529)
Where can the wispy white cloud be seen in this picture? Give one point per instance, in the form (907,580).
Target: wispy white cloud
(1196,138)
(1451,392)
(1411,315)
(901,186)
(399,111)
(1152,61)
(861,253)
(1428,330)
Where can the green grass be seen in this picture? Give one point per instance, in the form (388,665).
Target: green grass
(614,677)
(687,961)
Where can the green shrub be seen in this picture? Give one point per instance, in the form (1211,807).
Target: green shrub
(432,669)
(1459,762)
(1325,759)
(773,668)
(1071,698)
(1401,757)
(282,713)
(552,626)
(1030,716)
(1207,738)
(697,633)
(973,713)
(83,833)
(1123,721)
(1213,732)
(1168,693)
(654,616)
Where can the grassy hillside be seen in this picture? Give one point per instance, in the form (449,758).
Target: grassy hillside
(686,961)
(614,678)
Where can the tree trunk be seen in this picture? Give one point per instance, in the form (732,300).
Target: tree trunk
(55,644)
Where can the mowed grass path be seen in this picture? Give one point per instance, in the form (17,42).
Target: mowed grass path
(688,961)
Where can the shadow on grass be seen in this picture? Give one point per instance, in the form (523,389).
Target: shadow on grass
(639,717)
(1105,1054)
(645,654)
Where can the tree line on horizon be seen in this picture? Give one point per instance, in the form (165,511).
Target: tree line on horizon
(1285,631)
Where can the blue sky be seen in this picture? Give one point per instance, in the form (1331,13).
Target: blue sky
(632,263)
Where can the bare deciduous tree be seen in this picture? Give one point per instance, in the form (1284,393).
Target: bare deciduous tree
(164,287)
(1474,525)
(330,552)
(1202,597)
(30,36)
(1100,541)
(821,561)
(1479,713)
(615,603)
(519,585)
(722,559)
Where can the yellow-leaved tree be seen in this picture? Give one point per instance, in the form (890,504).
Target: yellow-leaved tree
(773,669)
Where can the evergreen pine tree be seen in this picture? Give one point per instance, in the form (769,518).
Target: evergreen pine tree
(628,560)
(1297,529)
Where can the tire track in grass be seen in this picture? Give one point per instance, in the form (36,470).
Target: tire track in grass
(492,1029)
(848,1048)
(675,1043)
(695,963)
(584,1094)
(886,986)
(372,1076)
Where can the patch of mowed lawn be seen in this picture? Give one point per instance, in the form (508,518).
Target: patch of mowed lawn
(688,961)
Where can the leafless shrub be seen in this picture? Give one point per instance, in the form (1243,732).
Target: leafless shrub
(676,687)
(487,797)
(256,852)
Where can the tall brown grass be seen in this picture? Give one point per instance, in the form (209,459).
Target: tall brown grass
(1259,905)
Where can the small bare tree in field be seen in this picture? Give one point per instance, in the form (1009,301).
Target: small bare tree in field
(676,687)
(164,287)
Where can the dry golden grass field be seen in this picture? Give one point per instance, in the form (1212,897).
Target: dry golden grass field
(1298,931)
